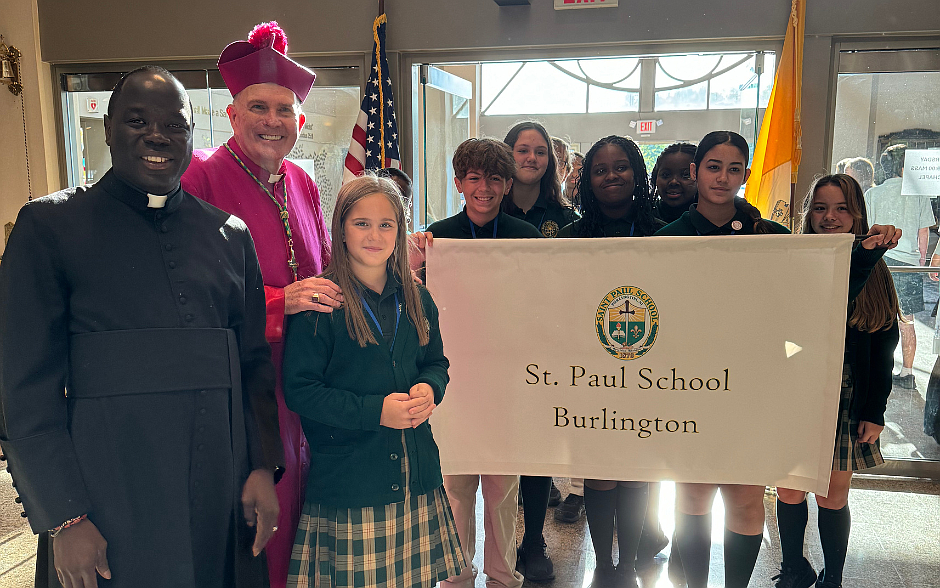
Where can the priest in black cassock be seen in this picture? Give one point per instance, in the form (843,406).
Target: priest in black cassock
(137,404)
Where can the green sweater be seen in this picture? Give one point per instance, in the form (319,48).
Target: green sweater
(338,388)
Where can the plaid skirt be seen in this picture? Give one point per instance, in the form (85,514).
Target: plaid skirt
(409,544)
(850,455)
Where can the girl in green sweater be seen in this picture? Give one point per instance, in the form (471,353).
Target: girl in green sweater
(364,380)
(835,204)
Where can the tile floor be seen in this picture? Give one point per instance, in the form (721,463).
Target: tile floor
(895,541)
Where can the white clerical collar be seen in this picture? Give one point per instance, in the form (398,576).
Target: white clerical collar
(275,178)
(154,201)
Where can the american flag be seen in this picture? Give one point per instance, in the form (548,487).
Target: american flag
(374,143)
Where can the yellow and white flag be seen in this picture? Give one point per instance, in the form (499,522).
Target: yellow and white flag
(779,148)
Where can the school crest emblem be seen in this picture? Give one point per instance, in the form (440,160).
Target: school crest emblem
(627,322)
(781,212)
(550,229)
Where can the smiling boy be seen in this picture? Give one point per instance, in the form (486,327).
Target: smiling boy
(483,170)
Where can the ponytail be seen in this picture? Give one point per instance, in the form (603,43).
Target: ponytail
(760,226)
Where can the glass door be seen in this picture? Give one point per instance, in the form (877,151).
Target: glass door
(443,104)
(657,99)
(886,133)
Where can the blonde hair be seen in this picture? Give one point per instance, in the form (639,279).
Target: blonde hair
(562,153)
(876,307)
(340,269)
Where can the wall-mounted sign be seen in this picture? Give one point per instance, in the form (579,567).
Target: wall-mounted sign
(566,4)
(92,104)
(645,127)
(921,172)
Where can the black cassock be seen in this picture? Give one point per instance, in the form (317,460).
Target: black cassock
(135,380)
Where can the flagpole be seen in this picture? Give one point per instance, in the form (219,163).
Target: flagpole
(792,210)
(381,7)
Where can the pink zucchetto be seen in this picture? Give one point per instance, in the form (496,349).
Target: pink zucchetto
(262,59)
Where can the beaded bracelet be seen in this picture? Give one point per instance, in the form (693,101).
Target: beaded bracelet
(67,524)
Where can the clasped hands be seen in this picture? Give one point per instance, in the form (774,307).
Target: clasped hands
(407,411)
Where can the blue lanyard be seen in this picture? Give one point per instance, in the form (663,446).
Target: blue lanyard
(542,220)
(376,321)
(473,231)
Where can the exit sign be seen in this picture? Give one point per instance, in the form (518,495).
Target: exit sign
(566,4)
(646,126)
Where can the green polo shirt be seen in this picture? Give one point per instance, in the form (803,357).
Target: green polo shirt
(692,223)
(506,227)
(612,227)
(547,217)
(383,306)
(668,213)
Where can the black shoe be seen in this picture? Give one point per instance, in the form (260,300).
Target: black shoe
(907,382)
(649,547)
(554,496)
(571,510)
(626,577)
(605,576)
(801,575)
(534,564)
(821,583)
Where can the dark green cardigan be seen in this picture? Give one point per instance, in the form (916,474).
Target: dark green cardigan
(338,387)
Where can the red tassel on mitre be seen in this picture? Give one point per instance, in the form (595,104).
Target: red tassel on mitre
(269,34)
(262,59)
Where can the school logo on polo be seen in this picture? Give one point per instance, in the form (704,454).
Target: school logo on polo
(550,229)
(627,322)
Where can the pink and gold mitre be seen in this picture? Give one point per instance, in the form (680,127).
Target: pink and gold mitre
(263,59)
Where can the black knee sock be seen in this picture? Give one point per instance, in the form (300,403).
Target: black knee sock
(631,513)
(534,490)
(694,541)
(791,522)
(651,526)
(740,556)
(834,528)
(599,506)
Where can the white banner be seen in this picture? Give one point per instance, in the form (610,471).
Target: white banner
(715,359)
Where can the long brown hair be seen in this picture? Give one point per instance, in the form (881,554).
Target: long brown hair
(876,306)
(340,270)
(549,186)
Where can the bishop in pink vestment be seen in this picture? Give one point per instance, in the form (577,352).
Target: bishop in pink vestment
(250,178)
